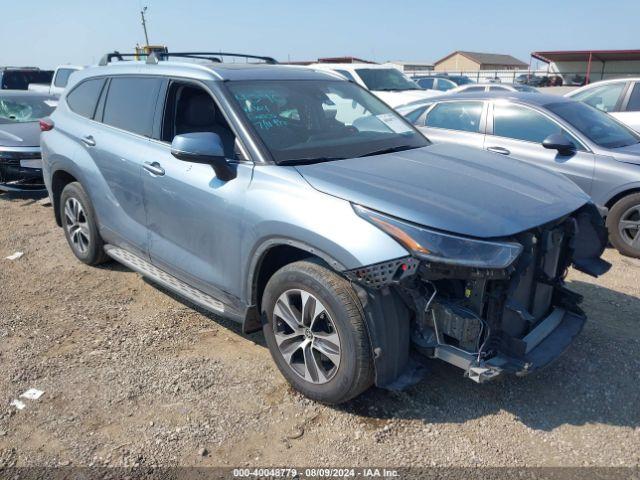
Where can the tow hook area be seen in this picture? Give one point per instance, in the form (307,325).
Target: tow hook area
(481,374)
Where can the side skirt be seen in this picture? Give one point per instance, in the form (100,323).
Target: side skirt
(170,282)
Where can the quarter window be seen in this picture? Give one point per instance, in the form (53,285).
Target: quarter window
(346,75)
(83,98)
(634,99)
(462,116)
(131,104)
(62,77)
(519,123)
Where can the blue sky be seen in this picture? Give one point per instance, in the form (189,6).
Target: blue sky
(48,33)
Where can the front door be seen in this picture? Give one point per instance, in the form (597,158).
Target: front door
(518,131)
(194,219)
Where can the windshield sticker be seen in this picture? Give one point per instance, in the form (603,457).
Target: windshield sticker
(394,123)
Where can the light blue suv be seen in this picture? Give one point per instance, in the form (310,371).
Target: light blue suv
(296,202)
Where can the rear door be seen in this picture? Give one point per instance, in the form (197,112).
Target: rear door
(119,146)
(460,122)
(518,131)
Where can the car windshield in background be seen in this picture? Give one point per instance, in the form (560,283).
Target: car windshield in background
(311,121)
(597,126)
(25,108)
(20,79)
(386,79)
(460,79)
(526,88)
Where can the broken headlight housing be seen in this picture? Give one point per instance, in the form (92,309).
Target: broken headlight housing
(443,247)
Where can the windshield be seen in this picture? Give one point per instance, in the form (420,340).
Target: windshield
(320,120)
(597,126)
(386,79)
(24,108)
(20,79)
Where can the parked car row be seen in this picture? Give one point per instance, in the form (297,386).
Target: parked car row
(295,201)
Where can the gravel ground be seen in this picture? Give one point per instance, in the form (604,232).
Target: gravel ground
(134,376)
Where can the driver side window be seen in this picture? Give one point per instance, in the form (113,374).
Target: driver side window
(190,109)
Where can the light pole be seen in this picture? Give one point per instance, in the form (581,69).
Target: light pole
(144,25)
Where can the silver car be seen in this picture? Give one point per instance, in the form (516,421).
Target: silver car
(601,155)
(296,202)
(20,163)
(619,98)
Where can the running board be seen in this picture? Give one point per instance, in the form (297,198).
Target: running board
(161,277)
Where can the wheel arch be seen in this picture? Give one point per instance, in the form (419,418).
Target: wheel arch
(267,259)
(60,179)
(620,195)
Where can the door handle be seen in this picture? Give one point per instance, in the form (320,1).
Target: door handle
(154,168)
(89,141)
(500,150)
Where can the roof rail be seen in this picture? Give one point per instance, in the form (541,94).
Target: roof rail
(155,57)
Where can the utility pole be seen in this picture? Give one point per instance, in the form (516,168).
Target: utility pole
(144,25)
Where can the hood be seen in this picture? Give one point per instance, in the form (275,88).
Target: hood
(452,188)
(630,154)
(20,134)
(395,99)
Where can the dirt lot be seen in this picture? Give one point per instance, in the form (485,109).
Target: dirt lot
(133,375)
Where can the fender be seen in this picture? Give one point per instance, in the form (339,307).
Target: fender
(252,320)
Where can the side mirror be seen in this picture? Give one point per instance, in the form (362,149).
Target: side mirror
(203,147)
(559,142)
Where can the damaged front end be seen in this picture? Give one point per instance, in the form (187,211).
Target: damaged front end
(488,307)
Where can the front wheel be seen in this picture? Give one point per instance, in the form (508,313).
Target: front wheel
(623,223)
(316,332)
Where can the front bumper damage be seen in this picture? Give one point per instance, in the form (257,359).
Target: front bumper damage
(21,170)
(487,322)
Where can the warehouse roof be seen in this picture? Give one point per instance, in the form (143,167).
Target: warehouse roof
(488,58)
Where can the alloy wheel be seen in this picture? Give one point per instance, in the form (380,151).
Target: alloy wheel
(629,227)
(77,226)
(306,336)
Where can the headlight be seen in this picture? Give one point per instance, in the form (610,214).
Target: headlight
(444,247)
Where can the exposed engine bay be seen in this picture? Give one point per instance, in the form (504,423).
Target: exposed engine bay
(489,321)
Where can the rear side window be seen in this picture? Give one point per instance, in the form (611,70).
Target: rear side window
(634,99)
(83,98)
(473,89)
(62,77)
(604,97)
(416,114)
(462,116)
(519,123)
(131,103)
(425,83)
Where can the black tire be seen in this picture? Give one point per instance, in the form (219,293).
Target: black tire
(621,210)
(93,252)
(354,374)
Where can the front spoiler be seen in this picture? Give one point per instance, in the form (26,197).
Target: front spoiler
(546,342)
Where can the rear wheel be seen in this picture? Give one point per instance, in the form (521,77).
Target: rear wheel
(623,223)
(80,226)
(316,332)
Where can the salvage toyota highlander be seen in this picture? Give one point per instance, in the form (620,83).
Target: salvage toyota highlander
(296,202)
